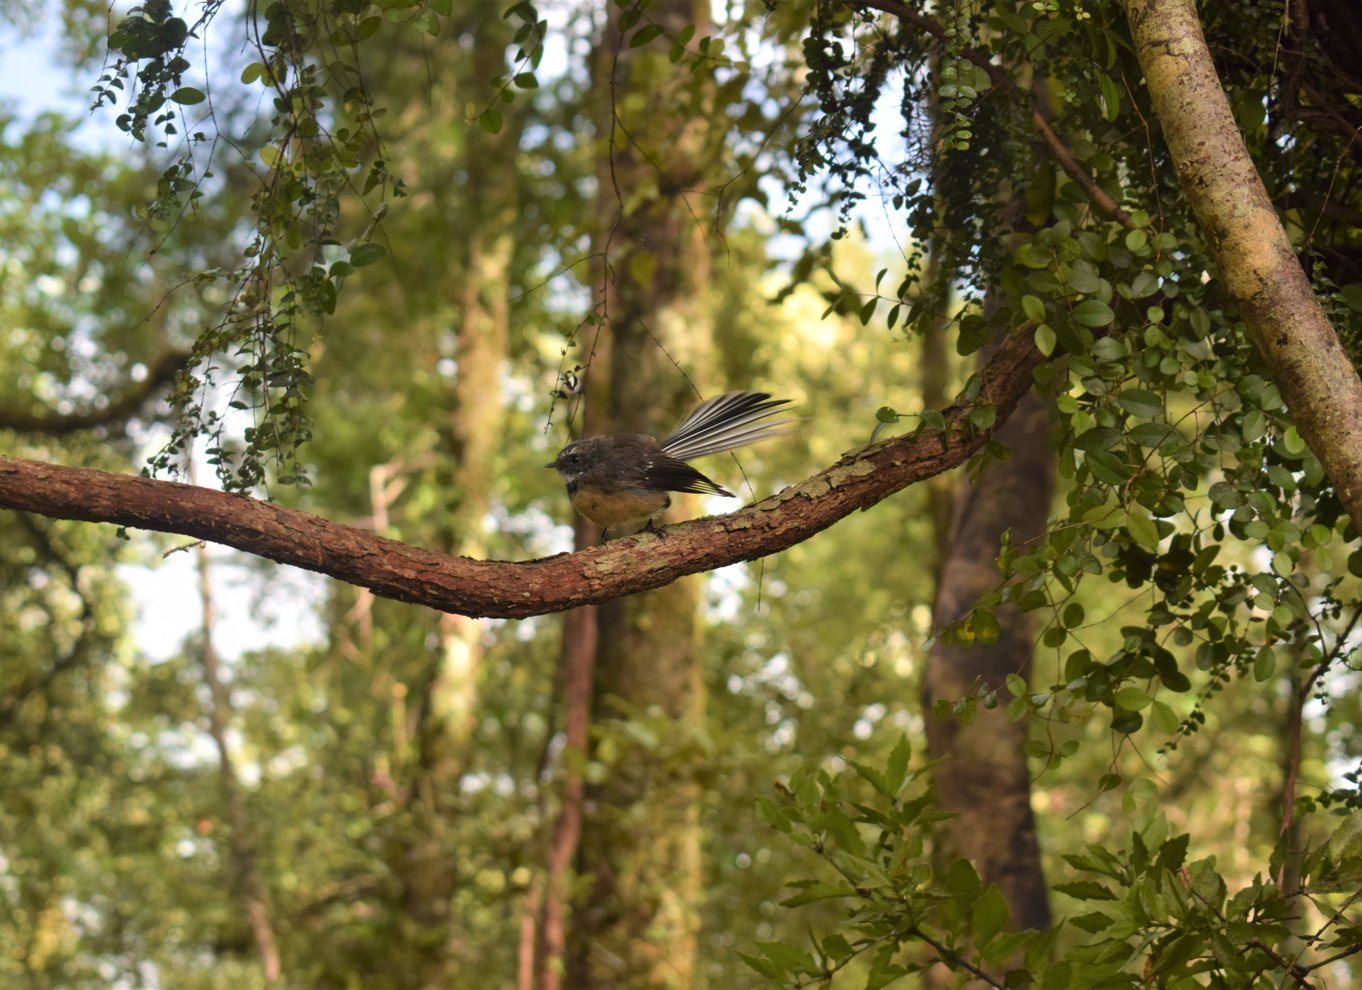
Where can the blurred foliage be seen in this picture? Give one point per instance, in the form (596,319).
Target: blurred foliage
(301,218)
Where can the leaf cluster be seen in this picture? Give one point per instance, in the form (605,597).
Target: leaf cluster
(1148,915)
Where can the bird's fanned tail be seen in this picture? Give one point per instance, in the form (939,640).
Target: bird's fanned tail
(726,422)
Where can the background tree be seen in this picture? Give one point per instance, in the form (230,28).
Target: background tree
(1198,559)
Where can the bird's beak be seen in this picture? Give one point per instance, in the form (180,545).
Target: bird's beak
(552,464)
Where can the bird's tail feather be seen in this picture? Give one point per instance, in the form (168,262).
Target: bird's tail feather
(726,422)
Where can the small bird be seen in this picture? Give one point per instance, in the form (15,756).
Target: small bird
(620,481)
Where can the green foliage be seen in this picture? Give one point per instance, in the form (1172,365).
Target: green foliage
(1143,912)
(1198,585)
(1179,458)
(321,145)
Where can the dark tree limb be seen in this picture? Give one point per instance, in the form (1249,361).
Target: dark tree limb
(505,589)
(160,372)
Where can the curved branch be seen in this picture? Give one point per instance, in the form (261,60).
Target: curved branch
(1059,151)
(160,372)
(506,589)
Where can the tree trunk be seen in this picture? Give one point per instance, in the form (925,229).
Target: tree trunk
(250,889)
(641,842)
(479,299)
(981,772)
(1255,257)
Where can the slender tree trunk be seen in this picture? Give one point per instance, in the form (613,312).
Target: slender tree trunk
(472,209)
(240,841)
(479,298)
(981,773)
(1255,257)
(578,666)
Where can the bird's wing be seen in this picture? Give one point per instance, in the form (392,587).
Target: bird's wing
(669,474)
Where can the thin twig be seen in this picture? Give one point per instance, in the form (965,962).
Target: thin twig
(953,959)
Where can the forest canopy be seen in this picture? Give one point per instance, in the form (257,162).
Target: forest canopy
(1028,659)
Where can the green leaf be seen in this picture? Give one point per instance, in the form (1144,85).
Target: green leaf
(1106,467)
(1098,438)
(428,21)
(836,947)
(490,120)
(1264,664)
(1346,842)
(989,915)
(1084,278)
(772,814)
(367,254)
(1033,308)
(1093,923)
(368,27)
(1127,723)
(1111,97)
(644,35)
(841,829)
(1153,435)
(1094,313)
(896,770)
(815,890)
(983,415)
(1142,529)
(1045,339)
(1173,853)
(1164,719)
(1207,884)
(1073,616)
(1139,402)
(765,967)
(962,879)
(883,969)
(1133,699)
(1291,440)
(187,96)
(1085,890)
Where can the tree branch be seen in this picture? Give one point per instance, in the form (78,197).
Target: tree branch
(160,372)
(1000,78)
(505,589)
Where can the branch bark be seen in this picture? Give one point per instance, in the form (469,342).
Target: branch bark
(1256,259)
(862,478)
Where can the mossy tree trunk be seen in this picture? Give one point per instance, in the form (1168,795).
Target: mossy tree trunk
(637,924)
